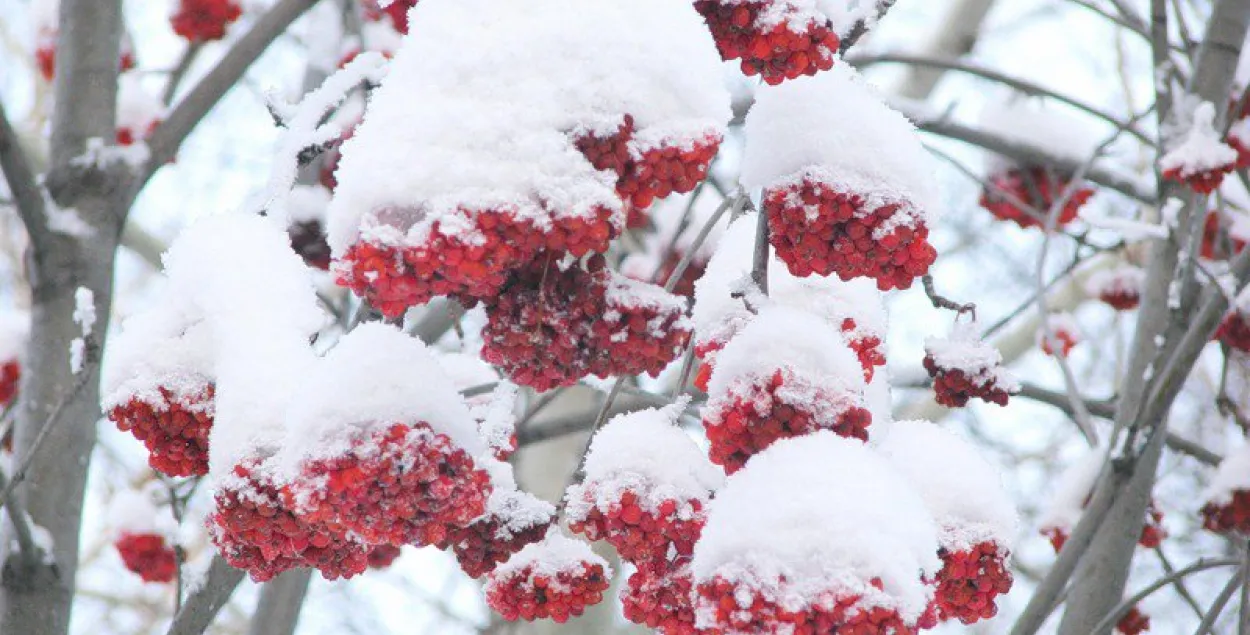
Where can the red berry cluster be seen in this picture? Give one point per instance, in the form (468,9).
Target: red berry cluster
(1232,517)
(866,347)
(1133,622)
(382,556)
(1204,181)
(1234,331)
(485,544)
(554,325)
(970,581)
(953,387)
(1067,341)
(255,531)
(10,379)
(174,431)
(308,239)
(147,555)
(1121,299)
(756,414)
(1037,187)
(529,594)
(775,53)
(1214,246)
(647,174)
(644,536)
(734,608)
(401,485)
(397,11)
(819,230)
(660,598)
(204,20)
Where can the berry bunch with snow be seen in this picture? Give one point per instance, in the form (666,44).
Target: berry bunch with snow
(380,445)
(778,39)
(395,10)
(1025,196)
(785,375)
(975,518)
(1060,334)
(646,488)
(555,578)
(1224,234)
(766,563)
(1201,159)
(1226,500)
(963,366)
(204,20)
(142,536)
(1119,287)
(501,181)
(662,598)
(837,201)
(1072,494)
(513,520)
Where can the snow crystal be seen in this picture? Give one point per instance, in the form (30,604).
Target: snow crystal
(1232,475)
(965,351)
(645,452)
(963,492)
(1072,490)
(495,414)
(494,130)
(550,556)
(825,514)
(375,377)
(835,128)
(1202,149)
(77,355)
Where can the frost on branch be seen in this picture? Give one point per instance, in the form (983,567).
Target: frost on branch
(963,366)
(1201,159)
(767,561)
(1226,500)
(646,488)
(975,517)
(555,578)
(1025,193)
(848,187)
(1072,494)
(451,184)
(142,534)
(512,520)
(1120,287)
(380,444)
(853,308)
(787,374)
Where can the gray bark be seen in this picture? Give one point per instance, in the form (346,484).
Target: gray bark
(277,611)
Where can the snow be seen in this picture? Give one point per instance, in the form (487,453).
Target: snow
(375,377)
(138,110)
(825,514)
(964,350)
(14,335)
(1117,280)
(1231,476)
(1072,490)
(963,491)
(550,556)
(1057,324)
(1202,148)
(1037,123)
(77,355)
(834,128)
(66,221)
(647,453)
(308,203)
(495,414)
(879,400)
(843,14)
(717,316)
(446,137)
(132,512)
(84,309)
(513,509)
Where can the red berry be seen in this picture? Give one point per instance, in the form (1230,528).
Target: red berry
(1037,187)
(964,367)
(382,556)
(397,12)
(487,542)
(723,606)
(1218,241)
(1229,517)
(644,534)
(767,43)
(1133,622)
(174,429)
(969,582)
(1234,331)
(1121,287)
(540,583)
(204,20)
(10,379)
(647,173)
(1203,181)
(661,598)
(147,555)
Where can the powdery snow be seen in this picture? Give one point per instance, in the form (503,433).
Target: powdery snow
(495,414)
(1073,488)
(1037,123)
(835,129)
(513,509)
(495,129)
(138,110)
(308,203)
(1232,475)
(1202,148)
(843,14)
(132,512)
(647,453)
(963,491)
(550,556)
(825,514)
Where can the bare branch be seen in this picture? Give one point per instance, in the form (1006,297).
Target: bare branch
(206,601)
(1123,608)
(277,611)
(17,171)
(942,302)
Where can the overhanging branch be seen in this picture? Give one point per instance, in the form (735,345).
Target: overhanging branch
(19,174)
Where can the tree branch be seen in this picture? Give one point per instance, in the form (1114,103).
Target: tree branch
(862,27)
(1123,607)
(206,601)
(277,611)
(17,171)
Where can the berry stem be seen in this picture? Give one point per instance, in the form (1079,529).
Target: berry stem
(759,267)
(941,302)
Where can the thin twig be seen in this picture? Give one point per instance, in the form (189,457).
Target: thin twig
(16,169)
(579,474)
(862,27)
(54,417)
(1178,584)
(762,254)
(1123,607)
(942,302)
(1217,607)
(19,521)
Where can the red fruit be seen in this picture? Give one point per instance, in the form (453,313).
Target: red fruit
(660,598)
(1133,622)
(1230,517)
(10,379)
(489,542)
(953,387)
(45,55)
(174,430)
(866,347)
(308,239)
(1234,331)
(204,20)
(1204,181)
(641,330)
(1037,187)
(1216,245)
(397,12)
(398,485)
(382,556)
(646,535)
(127,137)
(647,173)
(783,405)
(1067,341)
(819,230)
(1121,287)
(45,59)
(147,555)
(537,592)
(969,582)
(769,45)
(730,607)
(1152,532)
(706,353)
(254,530)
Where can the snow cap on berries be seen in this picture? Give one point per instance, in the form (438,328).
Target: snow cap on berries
(644,452)
(1036,123)
(818,514)
(965,350)
(513,509)
(138,110)
(550,556)
(502,139)
(132,512)
(1201,150)
(1072,490)
(1122,280)
(377,376)
(307,203)
(963,492)
(1233,475)
(834,128)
